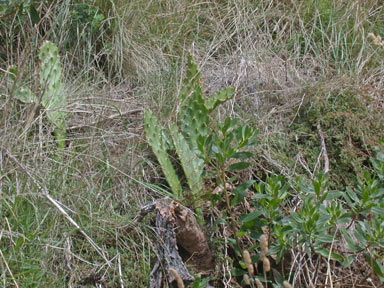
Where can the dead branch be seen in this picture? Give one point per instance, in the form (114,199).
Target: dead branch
(324,149)
(111,117)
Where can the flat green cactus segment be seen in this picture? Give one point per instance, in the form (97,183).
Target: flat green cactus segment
(219,98)
(193,118)
(193,115)
(153,131)
(53,98)
(192,165)
(191,81)
(21,93)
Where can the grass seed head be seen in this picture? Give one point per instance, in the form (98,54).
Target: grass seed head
(266,264)
(259,284)
(264,244)
(248,262)
(286,284)
(246,279)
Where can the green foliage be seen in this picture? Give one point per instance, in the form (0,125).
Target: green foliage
(351,133)
(86,17)
(224,145)
(312,226)
(23,253)
(200,282)
(8,7)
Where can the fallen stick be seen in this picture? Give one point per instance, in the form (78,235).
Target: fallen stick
(111,117)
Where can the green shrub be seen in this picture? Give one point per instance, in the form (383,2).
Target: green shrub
(315,226)
(351,133)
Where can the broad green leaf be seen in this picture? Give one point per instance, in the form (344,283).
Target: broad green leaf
(325,238)
(34,14)
(378,211)
(251,216)
(377,266)
(360,235)
(327,254)
(348,261)
(241,191)
(242,155)
(333,194)
(261,196)
(352,194)
(239,166)
(295,217)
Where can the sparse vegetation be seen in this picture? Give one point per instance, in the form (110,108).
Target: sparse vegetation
(286,175)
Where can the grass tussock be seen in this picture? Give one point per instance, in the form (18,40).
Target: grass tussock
(66,215)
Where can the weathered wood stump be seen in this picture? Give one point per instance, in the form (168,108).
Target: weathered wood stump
(176,225)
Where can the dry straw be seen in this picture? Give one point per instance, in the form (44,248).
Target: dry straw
(246,280)
(286,284)
(377,40)
(179,281)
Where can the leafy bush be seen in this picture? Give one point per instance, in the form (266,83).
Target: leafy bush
(351,132)
(322,220)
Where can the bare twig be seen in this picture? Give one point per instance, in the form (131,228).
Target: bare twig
(325,155)
(9,270)
(111,117)
(324,149)
(120,272)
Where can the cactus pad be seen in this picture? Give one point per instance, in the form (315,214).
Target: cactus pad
(153,131)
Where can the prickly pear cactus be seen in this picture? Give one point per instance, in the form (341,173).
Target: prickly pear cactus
(53,98)
(192,165)
(21,93)
(194,112)
(219,98)
(191,81)
(193,115)
(193,121)
(159,144)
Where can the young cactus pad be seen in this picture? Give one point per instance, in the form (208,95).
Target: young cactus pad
(194,112)
(21,93)
(153,131)
(192,165)
(53,98)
